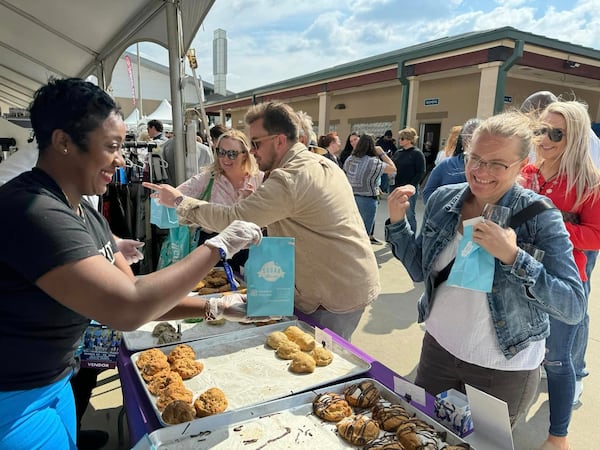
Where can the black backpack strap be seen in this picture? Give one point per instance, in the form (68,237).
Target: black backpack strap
(530,211)
(443,274)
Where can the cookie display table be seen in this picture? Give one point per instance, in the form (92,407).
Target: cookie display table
(141,416)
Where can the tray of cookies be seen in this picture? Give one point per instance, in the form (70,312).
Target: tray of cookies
(244,368)
(359,413)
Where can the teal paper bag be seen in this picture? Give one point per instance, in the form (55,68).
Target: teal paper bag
(161,216)
(473,267)
(269,274)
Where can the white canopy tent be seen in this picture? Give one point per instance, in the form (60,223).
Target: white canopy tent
(79,38)
(133,118)
(163,112)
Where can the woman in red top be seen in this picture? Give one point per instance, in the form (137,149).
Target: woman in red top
(565,173)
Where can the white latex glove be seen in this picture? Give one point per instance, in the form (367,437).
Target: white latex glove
(237,236)
(230,307)
(129,249)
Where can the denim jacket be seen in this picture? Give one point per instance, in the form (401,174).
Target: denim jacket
(524,293)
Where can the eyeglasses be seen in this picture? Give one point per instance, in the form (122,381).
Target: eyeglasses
(554,134)
(257,141)
(493,167)
(231,154)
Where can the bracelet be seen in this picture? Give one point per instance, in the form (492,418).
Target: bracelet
(227,269)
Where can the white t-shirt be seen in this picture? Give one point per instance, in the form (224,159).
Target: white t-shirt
(461,322)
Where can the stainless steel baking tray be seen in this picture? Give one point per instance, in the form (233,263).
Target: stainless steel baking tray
(249,372)
(279,424)
(142,338)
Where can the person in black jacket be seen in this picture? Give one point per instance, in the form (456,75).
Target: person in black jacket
(410,168)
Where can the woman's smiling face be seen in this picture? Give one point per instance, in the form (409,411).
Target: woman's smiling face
(96,165)
(489,183)
(547,149)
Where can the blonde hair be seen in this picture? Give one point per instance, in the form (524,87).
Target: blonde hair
(508,124)
(249,164)
(576,163)
(409,134)
(452,140)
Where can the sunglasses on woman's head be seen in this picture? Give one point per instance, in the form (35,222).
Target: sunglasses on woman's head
(231,154)
(554,134)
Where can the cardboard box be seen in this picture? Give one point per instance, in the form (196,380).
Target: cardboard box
(100,347)
(452,410)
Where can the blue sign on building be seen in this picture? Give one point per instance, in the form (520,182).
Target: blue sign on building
(507,99)
(432,101)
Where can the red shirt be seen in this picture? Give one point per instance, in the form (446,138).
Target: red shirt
(584,235)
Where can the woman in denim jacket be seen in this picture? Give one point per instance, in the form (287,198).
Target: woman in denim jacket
(493,341)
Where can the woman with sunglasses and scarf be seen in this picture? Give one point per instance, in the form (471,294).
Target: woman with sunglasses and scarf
(234,174)
(565,173)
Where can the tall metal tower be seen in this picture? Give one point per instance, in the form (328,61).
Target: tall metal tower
(220,61)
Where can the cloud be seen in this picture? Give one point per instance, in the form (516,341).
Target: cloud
(271,41)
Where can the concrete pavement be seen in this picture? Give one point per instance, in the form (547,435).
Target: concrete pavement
(388,331)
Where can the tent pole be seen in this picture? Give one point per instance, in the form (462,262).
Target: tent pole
(176,54)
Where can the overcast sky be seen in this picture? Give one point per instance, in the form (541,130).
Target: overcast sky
(274,40)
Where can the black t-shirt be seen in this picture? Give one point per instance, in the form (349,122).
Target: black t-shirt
(40,232)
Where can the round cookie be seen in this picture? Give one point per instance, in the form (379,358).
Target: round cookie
(275,339)
(181,351)
(213,401)
(322,356)
(304,340)
(158,383)
(292,332)
(287,350)
(331,407)
(187,368)
(362,395)
(358,430)
(302,363)
(174,392)
(178,411)
(390,417)
(148,355)
(153,368)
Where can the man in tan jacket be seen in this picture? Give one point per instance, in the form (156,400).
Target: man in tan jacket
(306,197)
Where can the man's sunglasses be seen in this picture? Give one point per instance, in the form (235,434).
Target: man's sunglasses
(231,154)
(554,134)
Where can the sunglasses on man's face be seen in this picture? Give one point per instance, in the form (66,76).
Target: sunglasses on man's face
(554,134)
(231,154)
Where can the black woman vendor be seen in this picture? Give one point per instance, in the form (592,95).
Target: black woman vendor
(60,266)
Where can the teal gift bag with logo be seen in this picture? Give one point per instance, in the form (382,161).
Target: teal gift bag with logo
(163,217)
(473,267)
(269,274)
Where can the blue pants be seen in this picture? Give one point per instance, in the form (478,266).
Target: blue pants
(583,330)
(367,207)
(561,375)
(385,183)
(41,418)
